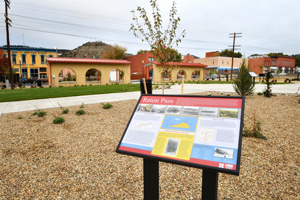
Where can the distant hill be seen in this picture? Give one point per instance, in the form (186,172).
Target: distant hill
(87,50)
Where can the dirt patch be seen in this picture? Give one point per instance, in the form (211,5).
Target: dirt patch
(77,159)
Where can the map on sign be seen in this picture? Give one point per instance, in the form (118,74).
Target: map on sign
(198,131)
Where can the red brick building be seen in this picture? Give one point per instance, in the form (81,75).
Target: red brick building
(188,59)
(138,70)
(212,54)
(285,64)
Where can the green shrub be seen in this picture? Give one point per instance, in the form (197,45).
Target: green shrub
(39,113)
(268,92)
(61,86)
(107,105)
(260,94)
(50,86)
(243,84)
(228,95)
(3,88)
(20,117)
(58,120)
(65,111)
(82,105)
(80,112)
(90,84)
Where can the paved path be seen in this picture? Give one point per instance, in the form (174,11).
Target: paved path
(19,106)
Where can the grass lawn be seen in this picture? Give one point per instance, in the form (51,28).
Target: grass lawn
(43,93)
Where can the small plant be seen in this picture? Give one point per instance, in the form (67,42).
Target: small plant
(90,84)
(106,83)
(20,117)
(32,86)
(75,85)
(50,86)
(228,95)
(209,94)
(80,112)
(65,111)
(61,86)
(39,113)
(58,120)
(107,105)
(41,86)
(82,105)
(255,129)
(3,88)
(260,94)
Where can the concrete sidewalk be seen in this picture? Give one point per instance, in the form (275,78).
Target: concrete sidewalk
(19,106)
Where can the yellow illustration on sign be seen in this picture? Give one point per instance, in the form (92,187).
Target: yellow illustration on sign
(181,125)
(173,145)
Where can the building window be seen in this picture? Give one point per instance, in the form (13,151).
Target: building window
(14,59)
(34,73)
(23,59)
(33,59)
(273,62)
(43,69)
(42,59)
(24,73)
(151,58)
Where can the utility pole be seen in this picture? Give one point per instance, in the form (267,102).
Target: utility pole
(234,36)
(8,21)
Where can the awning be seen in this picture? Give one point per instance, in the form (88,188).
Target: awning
(228,68)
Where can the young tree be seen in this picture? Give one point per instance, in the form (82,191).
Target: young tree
(113,52)
(243,84)
(228,53)
(161,41)
(268,92)
(4,64)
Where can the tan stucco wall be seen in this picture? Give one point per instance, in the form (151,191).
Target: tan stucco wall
(157,70)
(80,70)
(221,61)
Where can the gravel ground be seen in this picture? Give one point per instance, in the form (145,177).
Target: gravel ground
(77,159)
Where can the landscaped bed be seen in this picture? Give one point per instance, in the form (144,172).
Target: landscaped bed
(77,159)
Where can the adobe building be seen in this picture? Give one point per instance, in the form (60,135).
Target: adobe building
(138,61)
(86,71)
(191,72)
(275,64)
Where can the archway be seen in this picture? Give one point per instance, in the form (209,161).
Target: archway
(67,75)
(116,75)
(165,75)
(93,76)
(196,74)
(180,74)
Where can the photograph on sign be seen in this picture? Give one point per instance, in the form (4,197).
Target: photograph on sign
(197,131)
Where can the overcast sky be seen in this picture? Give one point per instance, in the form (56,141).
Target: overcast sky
(266,25)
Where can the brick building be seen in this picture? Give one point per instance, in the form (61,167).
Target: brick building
(261,64)
(189,58)
(138,70)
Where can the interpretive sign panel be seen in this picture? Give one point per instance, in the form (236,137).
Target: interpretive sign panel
(199,131)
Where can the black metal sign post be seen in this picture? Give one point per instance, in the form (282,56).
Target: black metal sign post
(151,179)
(209,185)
